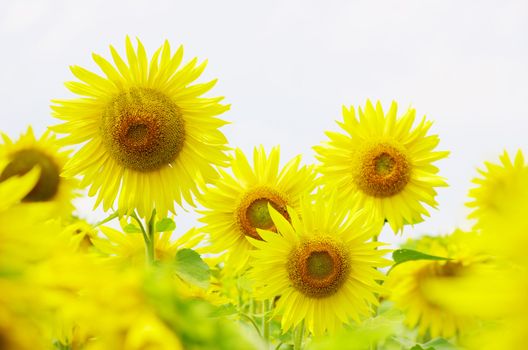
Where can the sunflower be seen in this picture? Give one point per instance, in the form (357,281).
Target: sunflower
(496,293)
(494,197)
(418,287)
(238,205)
(14,189)
(52,193)
(148,137)
(19,243)
(323,267)
(500,204)
(82,234)
(382,164)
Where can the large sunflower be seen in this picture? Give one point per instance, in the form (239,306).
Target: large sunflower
(323,267)
(238,205)
(382,164)
(149,139)
(52,193)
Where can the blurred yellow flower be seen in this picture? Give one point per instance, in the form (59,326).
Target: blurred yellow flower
(52,194)
(417,286)
(500,204)
(499,184)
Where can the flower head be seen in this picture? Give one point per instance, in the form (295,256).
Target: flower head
(52,193)
(148,136)
(383,164)
(322,265)
(237,206)
(420,287)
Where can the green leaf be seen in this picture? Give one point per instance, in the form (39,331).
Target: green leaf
(191,268)
(440,344)
(131,228)
(165,224)
(402,255)
(435,344)
(419,347)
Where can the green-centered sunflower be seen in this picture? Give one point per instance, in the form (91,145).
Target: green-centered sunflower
(383,164)
(148,137)
(236,206)
(323,265)
(52,194)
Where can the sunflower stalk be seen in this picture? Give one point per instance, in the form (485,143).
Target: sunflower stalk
(266,321)
(298,336)
(148,235)
(141,226)
(253,306)
(252,321)
(151,235)
(107,219)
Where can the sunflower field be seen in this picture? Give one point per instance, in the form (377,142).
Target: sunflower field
(283,254)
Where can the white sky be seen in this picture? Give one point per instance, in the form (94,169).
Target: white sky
(287,67)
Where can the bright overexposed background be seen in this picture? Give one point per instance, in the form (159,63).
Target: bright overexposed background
(287,67)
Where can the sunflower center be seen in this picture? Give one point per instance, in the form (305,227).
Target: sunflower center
(318,268)
(22,162)
(434,271)
(384,164)
(383,171)
(258,214)
(137,133)
(143,129)
(252,212)
(320,264)
(450,269)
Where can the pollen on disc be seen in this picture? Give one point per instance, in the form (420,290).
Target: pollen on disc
(143,129)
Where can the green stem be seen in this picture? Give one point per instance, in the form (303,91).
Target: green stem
(143,231)
(148,235)
(265,321)
(298,336)
(151,235)
(107,219)
(140,224)
(240,296)
(252,321)
(375,307)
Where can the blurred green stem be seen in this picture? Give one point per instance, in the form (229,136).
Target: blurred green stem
(298,336)
(265,321)
(252,321)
